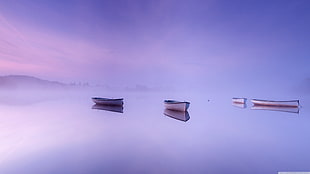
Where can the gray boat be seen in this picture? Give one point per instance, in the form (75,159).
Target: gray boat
(287,103)
(108,101)
(176,105)
(239,100)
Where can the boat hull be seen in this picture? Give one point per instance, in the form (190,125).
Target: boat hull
(290,103)
(107,101)
(239,100)
(276,108)
(176,105)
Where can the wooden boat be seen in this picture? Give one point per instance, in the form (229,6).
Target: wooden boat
(112,108)
(289,103)
(276,108)
(108,101)
(176,105)
(239,100)
(179,115)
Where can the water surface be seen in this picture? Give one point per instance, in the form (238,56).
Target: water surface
(56,132)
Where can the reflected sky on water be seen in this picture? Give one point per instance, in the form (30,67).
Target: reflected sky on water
(63,134)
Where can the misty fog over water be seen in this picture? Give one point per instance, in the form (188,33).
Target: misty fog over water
(59,131)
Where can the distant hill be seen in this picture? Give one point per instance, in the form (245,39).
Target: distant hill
(27,82)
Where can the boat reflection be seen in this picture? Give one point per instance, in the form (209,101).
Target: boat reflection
(111,108)
(179,115)
(276,108)
(239,105)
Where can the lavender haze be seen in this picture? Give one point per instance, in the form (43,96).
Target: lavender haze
(157,42)
(55,55)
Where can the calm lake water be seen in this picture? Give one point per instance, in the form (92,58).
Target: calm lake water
(60,132)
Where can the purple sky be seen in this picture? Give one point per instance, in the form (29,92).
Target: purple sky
(151,42)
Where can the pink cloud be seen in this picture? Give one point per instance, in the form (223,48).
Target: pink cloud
(46,53)
(29,50)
